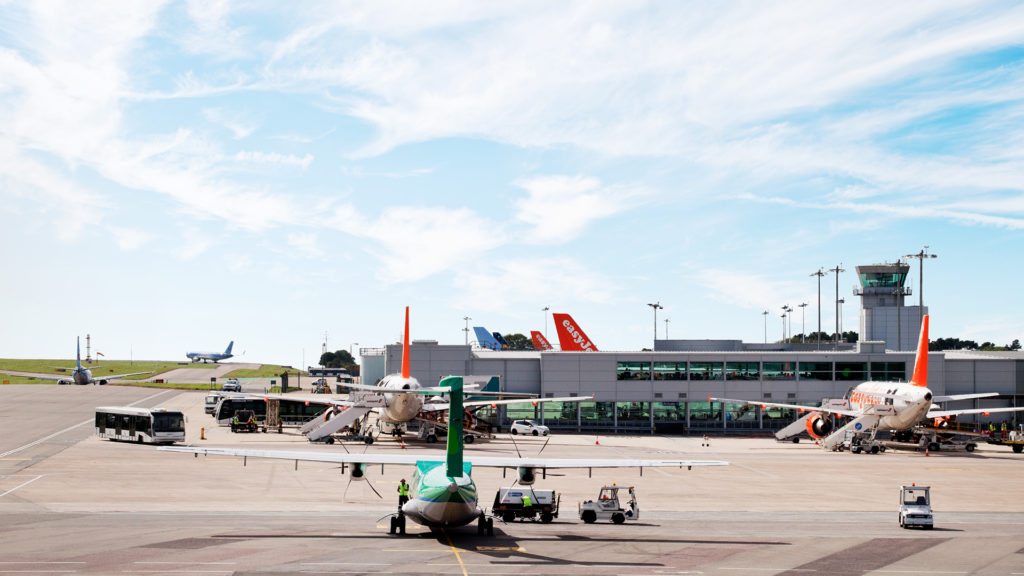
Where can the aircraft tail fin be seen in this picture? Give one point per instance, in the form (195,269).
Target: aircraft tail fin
(230,345)
(501,340)
(485,339)
(455,408)
(920,377)
(405,346)
(570,337)
(539,341)
(78,352)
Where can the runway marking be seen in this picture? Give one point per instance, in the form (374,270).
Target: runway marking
(745,467)
(456,551)
(15,488)
(70,428)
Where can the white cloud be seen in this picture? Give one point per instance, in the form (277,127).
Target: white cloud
(501,286)
(238,123)
(274,158)
(306,245)
(129,239)
(560,207)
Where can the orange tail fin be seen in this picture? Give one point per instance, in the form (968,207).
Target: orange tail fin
(539,341)
(405,346)
(920,377)
(570,337)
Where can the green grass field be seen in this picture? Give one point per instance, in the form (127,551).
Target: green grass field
(152,369)
(264,371)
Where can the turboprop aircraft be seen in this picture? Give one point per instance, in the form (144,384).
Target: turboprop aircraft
(81,375)
(443,493)
(875,406)
(398,399)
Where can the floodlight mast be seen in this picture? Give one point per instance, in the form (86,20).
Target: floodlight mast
(656,306)
(765,314)
(803,323)
(837,270)
(466,329)
(819,274)
(921,257)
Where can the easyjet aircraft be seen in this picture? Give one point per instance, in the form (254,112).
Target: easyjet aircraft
(875,406)
(443,491)
(570,337)
(539,341)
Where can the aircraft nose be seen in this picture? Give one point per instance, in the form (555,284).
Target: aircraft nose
(928,396)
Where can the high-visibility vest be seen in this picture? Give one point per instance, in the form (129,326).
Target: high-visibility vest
(403,489)
(527,502)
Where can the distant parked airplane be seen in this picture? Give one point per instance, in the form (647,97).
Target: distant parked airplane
(485,339)
(539,341)
(570,337)
(214,356)
(81,375)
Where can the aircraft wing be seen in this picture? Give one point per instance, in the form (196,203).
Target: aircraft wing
(437,406)
(66,377)
(955,397)
(425,391)
(840,411)
(315,399)
(116,376)
(944,413)
(412,459)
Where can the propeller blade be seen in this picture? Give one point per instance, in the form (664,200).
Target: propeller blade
(345,493)
(516,446)
(372,487)
(544,446)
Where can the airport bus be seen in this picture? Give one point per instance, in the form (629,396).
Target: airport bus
(154,426)
(292,412)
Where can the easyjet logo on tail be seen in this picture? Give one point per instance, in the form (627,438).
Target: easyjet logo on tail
(539,341)
(570,337)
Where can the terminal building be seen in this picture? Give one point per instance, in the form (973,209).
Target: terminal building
(667,390)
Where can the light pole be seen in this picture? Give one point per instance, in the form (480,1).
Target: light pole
(921,257)
(466,329)
(351,348)
(837,270)
(803,324)
(656,306)
(841,302)
(765,314)
(783,316)
(785,332)
(666,328)
(819,274)
(899,292)
(545,311)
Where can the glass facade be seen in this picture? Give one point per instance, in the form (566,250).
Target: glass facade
(634,414)
(742,370)
(670,370)
(559,414)
(633,371)
(889,371)
(815,370)
(779,371)
(705,370)
(882,280)
(852,371)
(669,411)
(597,414)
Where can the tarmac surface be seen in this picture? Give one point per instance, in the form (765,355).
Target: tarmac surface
(71,503)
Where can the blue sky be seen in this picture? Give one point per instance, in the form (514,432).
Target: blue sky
(177,175)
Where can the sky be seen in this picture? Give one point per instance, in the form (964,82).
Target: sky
(175,175)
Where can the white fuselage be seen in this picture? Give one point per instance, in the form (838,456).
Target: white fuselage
(438,500)
(906,404)
(400,407)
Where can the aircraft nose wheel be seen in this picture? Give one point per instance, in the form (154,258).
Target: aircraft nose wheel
(485,525)
(398,524)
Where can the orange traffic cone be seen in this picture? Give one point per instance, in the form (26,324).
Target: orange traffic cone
(596,441)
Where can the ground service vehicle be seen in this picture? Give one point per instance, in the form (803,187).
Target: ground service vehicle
(508,504)
(916,507)
(155,426)
(529,427)
(244,421)
(232,385)
(608,507)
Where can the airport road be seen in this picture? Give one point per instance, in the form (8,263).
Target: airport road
(99,507)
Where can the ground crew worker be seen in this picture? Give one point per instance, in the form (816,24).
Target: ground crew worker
(527,506)
(403,493)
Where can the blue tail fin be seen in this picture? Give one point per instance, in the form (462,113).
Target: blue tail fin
(455,408)
(230,344)
(78,352)
(485,339)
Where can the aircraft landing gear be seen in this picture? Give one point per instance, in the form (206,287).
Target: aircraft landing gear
(485,525)
(398,524)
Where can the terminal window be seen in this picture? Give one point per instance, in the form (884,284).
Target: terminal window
(779,371)
(852,371)
(889,371)
(742,371)
(705,370)
(815,370)
(633,371)
(670,370)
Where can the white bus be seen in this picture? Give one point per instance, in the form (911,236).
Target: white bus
(155,426)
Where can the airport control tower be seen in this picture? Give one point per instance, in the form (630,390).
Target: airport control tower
(883,315)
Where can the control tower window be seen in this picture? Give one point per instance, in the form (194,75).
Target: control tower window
(882,279)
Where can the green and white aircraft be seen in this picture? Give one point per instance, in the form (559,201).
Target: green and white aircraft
(443,493)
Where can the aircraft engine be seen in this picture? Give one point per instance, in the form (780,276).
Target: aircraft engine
(101,382)
(526,476)
(357,472)
(819,425)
